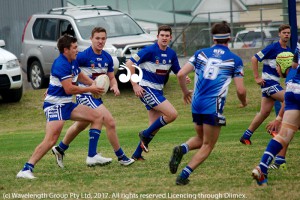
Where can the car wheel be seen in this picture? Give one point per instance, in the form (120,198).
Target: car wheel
(13,95)
(37,77)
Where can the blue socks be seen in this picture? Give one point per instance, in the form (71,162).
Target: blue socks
(185,173)
(138,151)
(121,155)
(28,166)
(62,146)
(272,149)
(247,134)
(160,122)
(184,148)
(93,142)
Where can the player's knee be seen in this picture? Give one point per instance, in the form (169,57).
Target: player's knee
(109,122)
(173,116)
(264,114)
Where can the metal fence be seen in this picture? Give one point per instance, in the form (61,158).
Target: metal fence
(257,28)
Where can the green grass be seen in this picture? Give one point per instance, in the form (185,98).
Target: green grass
(227,171)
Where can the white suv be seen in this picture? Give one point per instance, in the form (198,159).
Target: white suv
(124,37)
(252,38)
(11,85)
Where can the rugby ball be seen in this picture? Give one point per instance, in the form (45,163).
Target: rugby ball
(103,82)
(284,60)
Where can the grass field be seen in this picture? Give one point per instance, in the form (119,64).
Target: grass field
(226,174)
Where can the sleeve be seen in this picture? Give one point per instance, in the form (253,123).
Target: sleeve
(261,55)
(193,59)
(110,67)
(81,59)
(175,64)
(62,71)
(141,56)
(239,68)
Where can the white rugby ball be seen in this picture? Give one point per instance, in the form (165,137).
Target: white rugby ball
(103,82)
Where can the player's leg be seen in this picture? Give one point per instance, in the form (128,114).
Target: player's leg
(53,130)
(71,134)
(85,113)
(290,124)
(110,124)
(265,110)
(159,116)
(178,151)
(210,137)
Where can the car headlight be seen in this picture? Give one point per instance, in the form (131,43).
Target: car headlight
(12,64)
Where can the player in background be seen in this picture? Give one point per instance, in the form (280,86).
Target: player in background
(95,61)
(269,81)
(214,67)
(155,62)
(289,126)
(58,105)
(274,126)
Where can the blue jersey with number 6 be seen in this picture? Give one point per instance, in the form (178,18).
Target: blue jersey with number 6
(214,67)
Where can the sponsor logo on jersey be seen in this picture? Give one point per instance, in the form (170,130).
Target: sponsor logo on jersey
(260,55)
(136,57)
(163,55)
(161,72)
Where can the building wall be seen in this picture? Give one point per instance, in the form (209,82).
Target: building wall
(14,15)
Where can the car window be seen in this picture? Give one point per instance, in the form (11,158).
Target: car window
(115,25)
(65,27)
(274,33)
(49,30)
(36,29)
(253,36)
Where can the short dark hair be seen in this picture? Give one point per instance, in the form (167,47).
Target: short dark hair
(164,28)
(221,28)
(65,41)
(283,26)
(98,30)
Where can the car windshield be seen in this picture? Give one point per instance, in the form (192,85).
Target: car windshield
(115,25)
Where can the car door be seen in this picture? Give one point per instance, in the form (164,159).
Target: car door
(48,46)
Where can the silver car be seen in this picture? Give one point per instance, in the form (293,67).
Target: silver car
(125,37)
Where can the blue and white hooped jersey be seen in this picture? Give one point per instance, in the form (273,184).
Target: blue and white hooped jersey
(215,68)
(94,64)
(294,84)
(155,64)
(61,70)
(268,55)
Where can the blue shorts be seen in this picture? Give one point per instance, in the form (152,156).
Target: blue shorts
(88,100)
(59,112)
(211,119)
(267,92)
(152,97)
(292,101)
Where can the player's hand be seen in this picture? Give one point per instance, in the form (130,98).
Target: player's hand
(243,105)
(188,80)
(96,90)
(187,97)
(115,90)
(260,81)
(138,90)
(273,125)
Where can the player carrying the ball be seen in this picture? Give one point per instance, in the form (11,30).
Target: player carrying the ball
(269,81)
(95,61)
(58,105)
